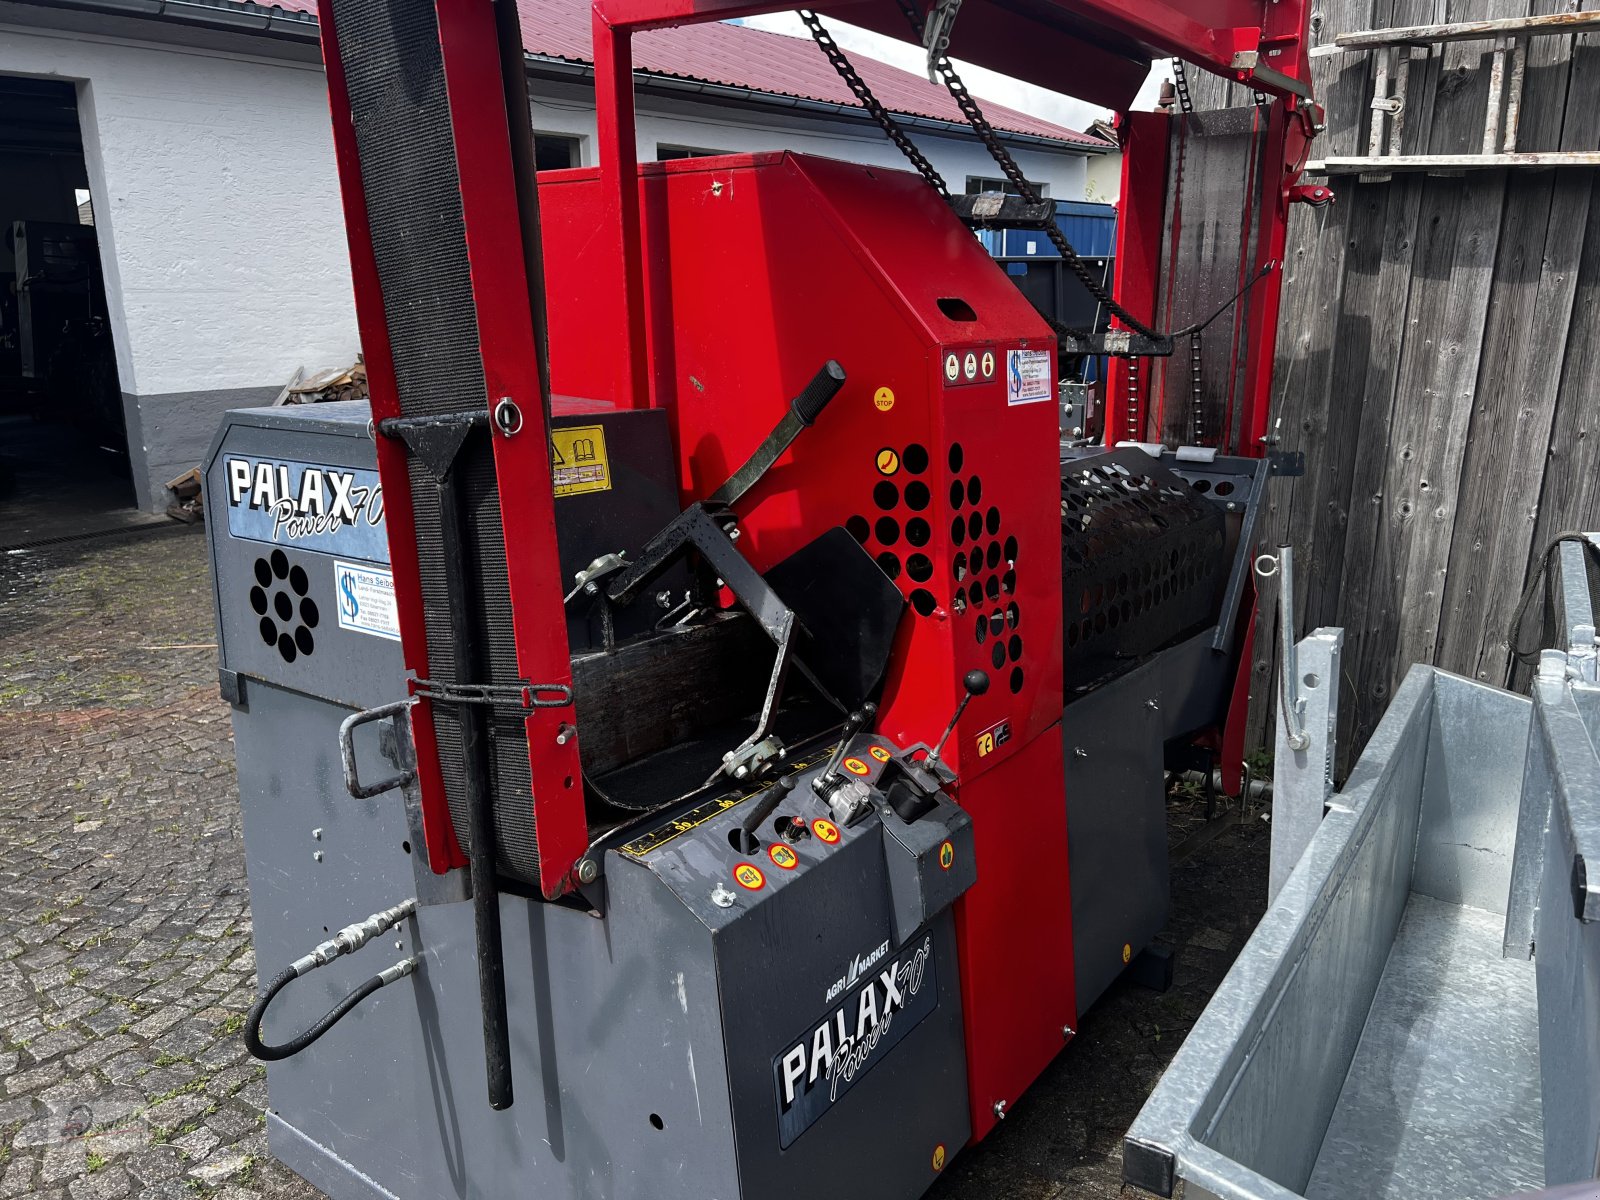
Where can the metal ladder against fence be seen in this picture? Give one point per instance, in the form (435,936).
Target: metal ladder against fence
(1394,51)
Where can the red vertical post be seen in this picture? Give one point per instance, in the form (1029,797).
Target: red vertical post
(1140,213)
(619,199)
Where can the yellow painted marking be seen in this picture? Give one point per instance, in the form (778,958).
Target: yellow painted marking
(879,753)
(1127,953)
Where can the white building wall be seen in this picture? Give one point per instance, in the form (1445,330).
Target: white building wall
(217,207)
(675,123)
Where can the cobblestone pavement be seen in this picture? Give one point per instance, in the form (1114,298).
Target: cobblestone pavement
(125,961)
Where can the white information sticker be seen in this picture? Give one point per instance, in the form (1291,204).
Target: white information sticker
(1027,376)
(366,599)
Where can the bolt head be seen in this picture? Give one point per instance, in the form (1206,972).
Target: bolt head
(588,871)
(1000,1109)
(316,855)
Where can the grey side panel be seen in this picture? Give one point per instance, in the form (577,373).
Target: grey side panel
(612,1021)
(1469,816)
(170,432)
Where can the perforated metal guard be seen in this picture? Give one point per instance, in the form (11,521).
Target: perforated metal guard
(395,77)
(1142,559)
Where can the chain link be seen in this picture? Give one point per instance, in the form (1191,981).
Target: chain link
(869,102)
(1180,85)
(943,69)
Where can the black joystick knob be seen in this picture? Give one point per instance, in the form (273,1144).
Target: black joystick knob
(976,683)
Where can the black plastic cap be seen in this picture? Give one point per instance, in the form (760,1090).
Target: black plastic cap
(976,682)
(824,386)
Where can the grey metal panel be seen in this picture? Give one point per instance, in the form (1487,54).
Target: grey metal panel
(1476,751)
(1243,1108)
(393,1096)
(358,669)
(1563,766)
(1442,1099)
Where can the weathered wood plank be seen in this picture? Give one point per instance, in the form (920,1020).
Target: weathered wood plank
(1407,438)
(1536,279)
(1467,31)
(1440,163)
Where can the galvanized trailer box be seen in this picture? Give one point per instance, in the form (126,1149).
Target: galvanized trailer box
(1383,1033)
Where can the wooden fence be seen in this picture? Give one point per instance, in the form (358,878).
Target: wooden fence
(1438,362)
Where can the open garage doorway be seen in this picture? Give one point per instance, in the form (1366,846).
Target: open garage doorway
(63,442)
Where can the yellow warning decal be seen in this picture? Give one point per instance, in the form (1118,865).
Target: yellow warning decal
(782,856)
(825,830)
(938,1157)
(855,766)
(947,856)
(1127,953)
(879,752)
(748,875)
(884,399)
(578,460)
(888,462)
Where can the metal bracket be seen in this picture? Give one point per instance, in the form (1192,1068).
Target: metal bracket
(1289,464)
(1302,775)
(347,749)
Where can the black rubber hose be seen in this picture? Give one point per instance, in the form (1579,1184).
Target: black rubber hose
(252,1023)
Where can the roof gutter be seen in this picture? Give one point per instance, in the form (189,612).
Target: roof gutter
(250,17)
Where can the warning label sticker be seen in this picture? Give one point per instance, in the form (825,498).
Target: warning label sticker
(1027,376)
(366,599)
(578,461)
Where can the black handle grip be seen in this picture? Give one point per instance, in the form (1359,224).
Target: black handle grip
(824,386)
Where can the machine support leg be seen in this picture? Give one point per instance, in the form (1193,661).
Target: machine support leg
(480,809)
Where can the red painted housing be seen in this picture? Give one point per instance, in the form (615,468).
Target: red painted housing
(757,271)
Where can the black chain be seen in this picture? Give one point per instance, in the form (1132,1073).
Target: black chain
(1180,85)
(1002,157)
(869,102)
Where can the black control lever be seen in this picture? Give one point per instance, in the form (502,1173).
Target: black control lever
(760,811)
(912,787)
(804,409)
(976,683)
(824,784)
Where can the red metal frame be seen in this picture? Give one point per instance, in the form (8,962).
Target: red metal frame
(469,46)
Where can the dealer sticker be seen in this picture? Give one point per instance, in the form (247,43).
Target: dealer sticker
(366,599)
(886,1004)
(1027,376)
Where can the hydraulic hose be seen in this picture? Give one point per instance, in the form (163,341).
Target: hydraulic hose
(346,941)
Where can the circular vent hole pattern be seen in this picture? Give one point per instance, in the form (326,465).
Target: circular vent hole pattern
(279,598)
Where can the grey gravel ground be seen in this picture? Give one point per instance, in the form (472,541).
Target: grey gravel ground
(125,960)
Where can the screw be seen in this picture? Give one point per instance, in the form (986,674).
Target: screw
(1152,706)
(316,855)
(663,599)
(716,187)
(1000,1109)
(317,834)
(399,945)
(733,534)
(1068,1032)
(1079,752)
(588,870)
(721,896)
